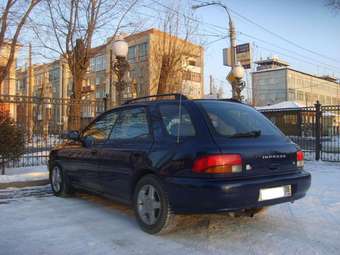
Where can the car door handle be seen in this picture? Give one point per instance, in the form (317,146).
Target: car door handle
(94,152)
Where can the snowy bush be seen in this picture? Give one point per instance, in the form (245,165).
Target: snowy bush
(11,140)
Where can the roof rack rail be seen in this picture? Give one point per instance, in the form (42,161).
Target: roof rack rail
(230,100)
(177,96)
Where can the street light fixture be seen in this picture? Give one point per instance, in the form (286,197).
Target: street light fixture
(120,66)
(120,48)
(237,71)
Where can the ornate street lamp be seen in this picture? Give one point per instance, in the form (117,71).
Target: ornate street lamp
(120,67)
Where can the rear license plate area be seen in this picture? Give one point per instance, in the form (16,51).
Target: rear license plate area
(275,192)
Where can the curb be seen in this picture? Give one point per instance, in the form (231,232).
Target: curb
(24,184)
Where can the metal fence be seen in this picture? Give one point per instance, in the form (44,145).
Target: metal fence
(44,122)
(315,129)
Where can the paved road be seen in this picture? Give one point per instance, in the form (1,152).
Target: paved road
(33,221)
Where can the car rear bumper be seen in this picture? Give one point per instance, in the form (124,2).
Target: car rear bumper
(192,195)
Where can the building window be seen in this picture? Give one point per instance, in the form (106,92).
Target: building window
(97,63)
(97,80)
(132,54)
(192,63)
(191,76)
(300,95)
(92,64)
(143,51)
(291,94)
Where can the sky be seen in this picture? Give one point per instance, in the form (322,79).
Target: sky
(309,24)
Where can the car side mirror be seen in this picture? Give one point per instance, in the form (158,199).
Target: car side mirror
(73,135)
(88,141)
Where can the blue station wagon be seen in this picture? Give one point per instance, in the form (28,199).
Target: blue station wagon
(173,156)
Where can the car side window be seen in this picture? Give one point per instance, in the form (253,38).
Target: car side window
(101,128)
(131,124)
(175,125)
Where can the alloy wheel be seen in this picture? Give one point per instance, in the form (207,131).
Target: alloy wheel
(56,179)
(148,204)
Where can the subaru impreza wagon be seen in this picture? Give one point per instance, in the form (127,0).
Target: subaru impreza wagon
(175,156)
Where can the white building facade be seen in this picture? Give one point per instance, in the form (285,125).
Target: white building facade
(275,82)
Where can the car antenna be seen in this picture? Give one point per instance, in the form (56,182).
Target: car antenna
(179,116)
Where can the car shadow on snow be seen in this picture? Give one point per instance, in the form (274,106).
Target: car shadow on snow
(188,223)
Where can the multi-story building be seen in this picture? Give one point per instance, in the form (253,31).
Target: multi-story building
(144,67)
(143,56)
(7,87)
(275,81)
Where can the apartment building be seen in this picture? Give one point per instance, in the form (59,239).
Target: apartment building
(275,81)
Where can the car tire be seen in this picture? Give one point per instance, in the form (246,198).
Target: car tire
(152,207)
(59,182)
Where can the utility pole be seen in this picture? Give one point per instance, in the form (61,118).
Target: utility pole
(211,85)
(30,95)
(236,74)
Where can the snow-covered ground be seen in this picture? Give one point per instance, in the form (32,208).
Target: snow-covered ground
(34,222)
(24,174)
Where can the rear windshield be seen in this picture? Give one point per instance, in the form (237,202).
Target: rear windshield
(230,119)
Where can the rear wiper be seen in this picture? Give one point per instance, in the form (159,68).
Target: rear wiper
(253,133)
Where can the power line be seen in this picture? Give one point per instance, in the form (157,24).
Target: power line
(278,36)
(219,27)
(294,52)
(186,16)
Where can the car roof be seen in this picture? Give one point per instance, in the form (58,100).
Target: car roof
(135,102)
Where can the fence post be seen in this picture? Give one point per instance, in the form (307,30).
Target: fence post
(318,114)
(105,103)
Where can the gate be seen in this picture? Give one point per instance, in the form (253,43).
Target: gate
(315,129)
(330,133)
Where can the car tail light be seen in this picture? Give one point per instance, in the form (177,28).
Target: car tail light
(299,159)
(218,164)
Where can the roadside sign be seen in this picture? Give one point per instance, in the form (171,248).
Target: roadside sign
(226,57)
(243,55)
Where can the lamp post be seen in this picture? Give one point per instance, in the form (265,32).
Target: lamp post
(120,67)
(236,74)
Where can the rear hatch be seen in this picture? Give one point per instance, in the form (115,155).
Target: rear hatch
(239,129)
(261,155)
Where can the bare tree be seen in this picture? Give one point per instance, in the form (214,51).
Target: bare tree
(74,24)
(333,4)
(14,15)
(171,50)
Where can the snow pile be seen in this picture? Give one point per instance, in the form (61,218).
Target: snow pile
(281,105)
